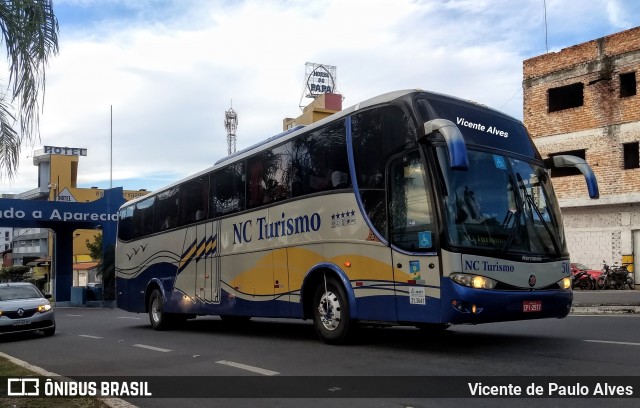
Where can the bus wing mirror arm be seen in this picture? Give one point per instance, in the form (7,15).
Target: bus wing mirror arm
(458,159)
(573,161)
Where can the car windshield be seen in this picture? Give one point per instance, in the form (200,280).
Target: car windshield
(501,203)
(19,292)
(581,266)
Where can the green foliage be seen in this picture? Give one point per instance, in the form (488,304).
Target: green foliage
(30,34)
(106,265)
(95,247)
(13,273)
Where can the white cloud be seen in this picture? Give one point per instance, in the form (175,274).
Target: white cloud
(171,68)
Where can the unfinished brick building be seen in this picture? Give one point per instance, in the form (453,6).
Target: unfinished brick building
(583,101)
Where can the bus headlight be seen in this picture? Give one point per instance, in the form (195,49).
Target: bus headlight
(565,283)
(474,281)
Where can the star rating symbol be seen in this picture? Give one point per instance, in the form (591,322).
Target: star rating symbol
(342,218)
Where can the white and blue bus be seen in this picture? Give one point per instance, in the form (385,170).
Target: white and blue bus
(411,208)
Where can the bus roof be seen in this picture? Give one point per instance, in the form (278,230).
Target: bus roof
(291,133)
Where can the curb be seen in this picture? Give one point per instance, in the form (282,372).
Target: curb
(111,402)
(605,309)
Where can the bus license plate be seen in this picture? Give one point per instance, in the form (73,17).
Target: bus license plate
(21,322)
(531,306)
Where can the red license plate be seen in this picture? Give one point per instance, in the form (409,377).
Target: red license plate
(532,306)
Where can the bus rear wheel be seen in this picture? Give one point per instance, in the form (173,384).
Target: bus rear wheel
(331,312)
(158,318)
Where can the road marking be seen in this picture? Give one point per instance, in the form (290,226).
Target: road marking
(89,337)
(74,315)
(112,402)
(144,346)
(624,343)
(253,369)
(127,317)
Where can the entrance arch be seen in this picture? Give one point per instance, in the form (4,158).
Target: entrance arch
(64,218)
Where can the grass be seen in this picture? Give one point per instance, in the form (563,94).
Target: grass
(11,370)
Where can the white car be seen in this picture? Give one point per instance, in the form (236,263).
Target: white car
(24,308)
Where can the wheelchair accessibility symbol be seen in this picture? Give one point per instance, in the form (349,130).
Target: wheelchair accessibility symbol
(424,239)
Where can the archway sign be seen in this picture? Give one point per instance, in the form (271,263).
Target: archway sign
(64,218)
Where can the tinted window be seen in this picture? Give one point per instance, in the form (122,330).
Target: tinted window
(269,177)
(319,161)
(377,135)
(411,220)
(125,224)
(143,218)
(166,211)
(478,125)
(227,187)
(194,200)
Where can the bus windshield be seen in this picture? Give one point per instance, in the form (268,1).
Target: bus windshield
(503,204)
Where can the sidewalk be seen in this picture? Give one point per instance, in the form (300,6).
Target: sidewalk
(606,302)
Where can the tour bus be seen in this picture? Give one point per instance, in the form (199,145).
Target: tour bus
(410,208)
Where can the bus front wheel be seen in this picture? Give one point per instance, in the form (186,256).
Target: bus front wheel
(158,318)
(331,312)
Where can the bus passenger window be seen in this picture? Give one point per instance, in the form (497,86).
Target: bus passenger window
(227,190)
(339,179)
(315,157)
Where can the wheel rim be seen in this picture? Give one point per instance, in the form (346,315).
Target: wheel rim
(156,309)
(329,309)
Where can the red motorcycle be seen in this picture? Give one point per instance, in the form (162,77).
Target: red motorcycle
(582,277)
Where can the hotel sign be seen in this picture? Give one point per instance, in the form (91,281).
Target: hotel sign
(321,79)
(65,151)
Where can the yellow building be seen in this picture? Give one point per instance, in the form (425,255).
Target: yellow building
(57,181)
(322,106)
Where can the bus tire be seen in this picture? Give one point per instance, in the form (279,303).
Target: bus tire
(331,312)
(158,318)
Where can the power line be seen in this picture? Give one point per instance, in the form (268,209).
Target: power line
(546,43)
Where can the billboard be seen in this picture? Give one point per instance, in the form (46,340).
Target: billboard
(320,79)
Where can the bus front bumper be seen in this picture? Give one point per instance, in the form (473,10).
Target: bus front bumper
(465,305)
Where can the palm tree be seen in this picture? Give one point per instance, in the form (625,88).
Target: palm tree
(30,34)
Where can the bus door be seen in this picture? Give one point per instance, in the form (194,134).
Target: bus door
(209,274)
(412,235)
(198,273)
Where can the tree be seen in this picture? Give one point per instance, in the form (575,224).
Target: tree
(95,248)
(106,265)
(13,273)
(30,34)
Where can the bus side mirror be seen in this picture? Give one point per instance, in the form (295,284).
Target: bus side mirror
(573,161)
(458,159)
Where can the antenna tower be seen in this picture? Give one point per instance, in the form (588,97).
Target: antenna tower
(231,124)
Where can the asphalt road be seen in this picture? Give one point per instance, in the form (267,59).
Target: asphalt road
(110,342)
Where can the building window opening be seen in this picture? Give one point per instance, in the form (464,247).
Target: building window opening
(627,84)
(566,97)
(631,155)
(565,171)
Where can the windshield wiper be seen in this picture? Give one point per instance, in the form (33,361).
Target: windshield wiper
(515,215)
(544,223)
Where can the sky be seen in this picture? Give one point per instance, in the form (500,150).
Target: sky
(148,82)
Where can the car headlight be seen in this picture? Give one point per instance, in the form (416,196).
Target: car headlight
(44,308)
(473,281)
